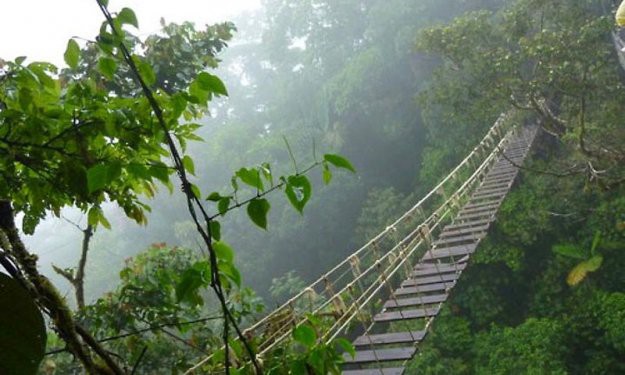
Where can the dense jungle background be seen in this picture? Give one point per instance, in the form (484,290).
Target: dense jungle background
(403,89)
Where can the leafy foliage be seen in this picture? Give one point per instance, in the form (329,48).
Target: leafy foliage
(514,312)
(23,336)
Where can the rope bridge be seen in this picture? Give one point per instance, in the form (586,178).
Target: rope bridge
(424,252)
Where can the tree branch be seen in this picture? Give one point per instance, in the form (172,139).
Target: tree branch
(193,201)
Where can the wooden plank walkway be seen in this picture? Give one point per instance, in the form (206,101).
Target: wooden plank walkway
(383,351)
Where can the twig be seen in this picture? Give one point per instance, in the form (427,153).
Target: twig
(540,171)
(143,330)
(264,193)
(288,147)
(136,366)
(193,201)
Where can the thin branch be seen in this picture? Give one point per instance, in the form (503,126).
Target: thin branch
(571,171)
(136,366)
(264,193)
(72,223)
(183,341)
(98,349)
(288,147)
(143,330)
(193,201)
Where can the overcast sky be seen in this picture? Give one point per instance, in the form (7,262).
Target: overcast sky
(40,29)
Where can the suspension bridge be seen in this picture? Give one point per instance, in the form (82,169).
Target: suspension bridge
(385,295)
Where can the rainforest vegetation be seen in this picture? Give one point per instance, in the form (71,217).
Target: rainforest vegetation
(161,193)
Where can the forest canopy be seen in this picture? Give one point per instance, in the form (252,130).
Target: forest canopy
(162,193)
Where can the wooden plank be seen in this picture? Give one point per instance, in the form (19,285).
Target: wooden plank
(434,269)
(515,153)
(458,224)
(490,214)
(475,209)
(389,338)
(449,252)
(499,176)
(474,237)
(423,289)
(458,232)
(494,188)
(375,371)
(392,316)
(498,180)
(481,205)
(505,163)
(431,279)
(488,190)
(494,185)
(486,199)
(490,197)
(415,301)
(502,170)
(380,355)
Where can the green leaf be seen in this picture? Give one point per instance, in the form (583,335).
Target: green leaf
(234,183)
(97,177)
(139,171)
(579,272)
(318,361)
(128,16)
(257,210)
(570,251)
(593,263)
(211,83)
(104,221)
(346,345)
(101,175)
(23,333)
(196,191)
(160,171)
(178,104)
(231,272)
(339,162)
(298,190)
(223,252)
(145,70)
(595,242)
(215,229)
(223,205)
(298,367)
(305,335)
(214,197)
(191,281)
(250,177)
(107,66)
(95,216)
(327,174)
(198,95)
(72,54)
(188,164)
(265,168)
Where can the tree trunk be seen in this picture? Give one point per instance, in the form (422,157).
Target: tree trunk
(49,299)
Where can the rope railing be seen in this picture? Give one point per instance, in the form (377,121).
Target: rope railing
(419,243)
(367,270)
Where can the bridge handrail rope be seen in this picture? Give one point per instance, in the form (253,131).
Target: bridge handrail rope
(491,133)
(274,328)
(463,190)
